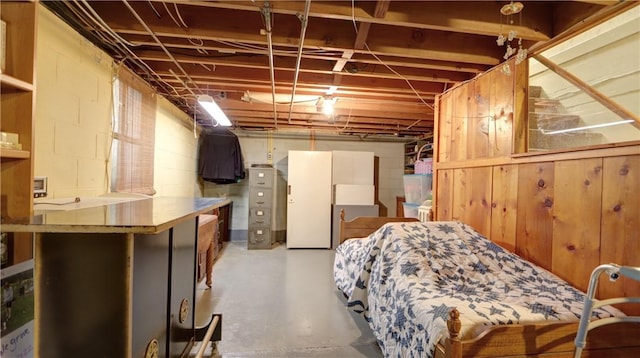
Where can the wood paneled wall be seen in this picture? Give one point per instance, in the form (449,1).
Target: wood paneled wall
(567,212)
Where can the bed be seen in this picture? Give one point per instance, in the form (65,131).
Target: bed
(440,289)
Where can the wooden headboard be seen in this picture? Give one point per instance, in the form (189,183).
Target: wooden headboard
(364,225)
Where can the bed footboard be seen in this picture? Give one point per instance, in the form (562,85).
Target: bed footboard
(540,340)
(362,226)
(453,344)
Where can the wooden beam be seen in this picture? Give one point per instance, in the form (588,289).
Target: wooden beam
(362,57)
(346,55)
(160,62)
(403,42)
(382,6)
(465,17)
(361,37)
(326,33)
(589,90)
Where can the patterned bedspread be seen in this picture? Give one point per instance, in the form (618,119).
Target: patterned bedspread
(405,277)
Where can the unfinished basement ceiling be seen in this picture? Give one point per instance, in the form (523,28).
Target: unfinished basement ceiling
(381,62)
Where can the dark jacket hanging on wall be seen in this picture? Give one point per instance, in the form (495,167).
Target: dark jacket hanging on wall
(220,156)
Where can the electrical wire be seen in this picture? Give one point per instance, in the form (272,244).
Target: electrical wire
(118,47)
(90,24)
(154,9)
(164,48)
(199,45)
(170,14)
(100,22)
(175,6)
(243,46)
(76,200)
(355,26)
(346,123)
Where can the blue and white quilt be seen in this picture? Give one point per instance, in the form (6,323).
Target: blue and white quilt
(405,277)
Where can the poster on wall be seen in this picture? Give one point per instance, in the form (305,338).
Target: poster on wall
(17,311)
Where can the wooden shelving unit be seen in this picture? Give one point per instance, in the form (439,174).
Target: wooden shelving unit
(17,96)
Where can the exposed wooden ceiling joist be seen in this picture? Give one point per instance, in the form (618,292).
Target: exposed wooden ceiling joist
(384,61)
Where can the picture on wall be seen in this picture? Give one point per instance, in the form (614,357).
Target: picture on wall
(17,311)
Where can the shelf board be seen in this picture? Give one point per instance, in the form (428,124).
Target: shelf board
(14,153)
(11,83)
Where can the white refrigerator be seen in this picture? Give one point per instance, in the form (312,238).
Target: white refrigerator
(309,199)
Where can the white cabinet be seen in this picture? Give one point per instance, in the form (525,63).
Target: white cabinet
(352,167)
(309,199)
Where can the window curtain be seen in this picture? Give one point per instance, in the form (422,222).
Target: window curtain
(133,134)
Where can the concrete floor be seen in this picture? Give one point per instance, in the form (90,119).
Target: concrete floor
(281,303)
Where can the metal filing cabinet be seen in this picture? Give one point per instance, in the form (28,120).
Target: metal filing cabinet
(261,207)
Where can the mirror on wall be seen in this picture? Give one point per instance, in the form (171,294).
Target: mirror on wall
(584,91)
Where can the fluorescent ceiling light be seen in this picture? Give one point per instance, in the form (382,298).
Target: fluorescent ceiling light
(590,127)
(214,110)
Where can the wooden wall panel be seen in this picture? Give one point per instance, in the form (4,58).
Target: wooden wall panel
(459,123)
(500,127)
(520,140)
(534,229)
(576,224)
(478,143)
(620,233)
(472,198)
(444,128)
(444,195)
(504,206)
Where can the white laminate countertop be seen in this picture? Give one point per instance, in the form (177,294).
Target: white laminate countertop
(145,216)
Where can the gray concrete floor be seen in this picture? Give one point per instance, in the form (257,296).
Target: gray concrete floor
(281,303)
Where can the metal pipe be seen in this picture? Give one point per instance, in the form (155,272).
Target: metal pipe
(303,30)
(266,12)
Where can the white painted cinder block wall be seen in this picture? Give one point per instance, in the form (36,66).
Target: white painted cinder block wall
(73,120)
(176,152)
(73,94)
(255,150)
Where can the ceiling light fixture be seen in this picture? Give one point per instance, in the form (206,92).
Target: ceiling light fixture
(327,105)
(214,110)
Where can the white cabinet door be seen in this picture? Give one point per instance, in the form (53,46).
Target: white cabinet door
(309,199)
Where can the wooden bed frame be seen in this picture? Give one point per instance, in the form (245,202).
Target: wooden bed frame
(533,340)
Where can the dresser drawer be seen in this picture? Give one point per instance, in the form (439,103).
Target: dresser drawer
(259,216)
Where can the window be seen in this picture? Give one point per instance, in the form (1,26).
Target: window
(584,91)
(132,148)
